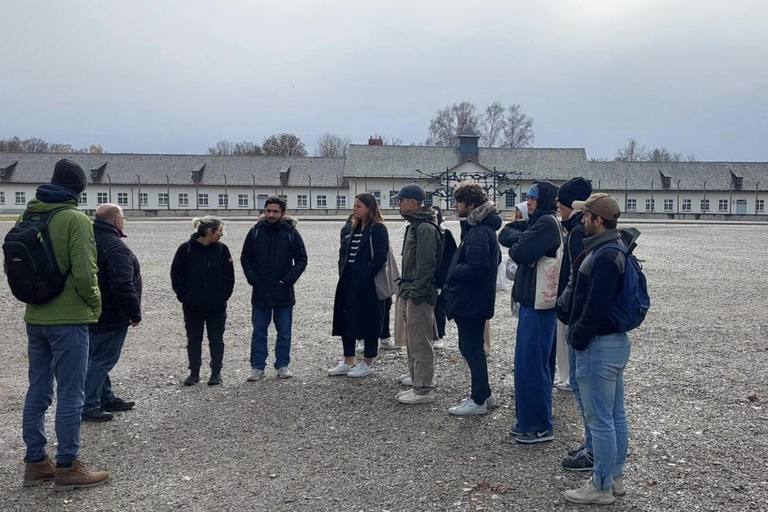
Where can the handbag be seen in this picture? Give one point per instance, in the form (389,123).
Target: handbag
(511,269)
(387,278)
(548,276)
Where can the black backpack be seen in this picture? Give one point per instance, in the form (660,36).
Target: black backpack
(33,274)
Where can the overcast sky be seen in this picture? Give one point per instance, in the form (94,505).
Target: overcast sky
(175,76)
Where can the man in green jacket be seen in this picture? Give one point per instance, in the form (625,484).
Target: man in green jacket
(58,336)
(421,261)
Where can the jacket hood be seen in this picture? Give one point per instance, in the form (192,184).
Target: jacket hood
(287,221)
(423,213)
(38,206)
(50,193)
(545,204)
(523,208)
(486,213)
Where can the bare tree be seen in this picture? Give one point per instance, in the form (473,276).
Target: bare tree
(632,152)
(690,157)
(247,148)
(65,148)
(452,121)
(518,130)
(283,144)
(598,159)
(331,145)
(392,141)
(222,147)
(96,149)
(493,124)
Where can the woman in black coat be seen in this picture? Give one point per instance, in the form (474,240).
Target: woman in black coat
(357,311)
(203,278)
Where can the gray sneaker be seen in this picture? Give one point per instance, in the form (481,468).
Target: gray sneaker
(582,461)
(256,374)
(618,486)
(539,436)
(588,493)
(284,373)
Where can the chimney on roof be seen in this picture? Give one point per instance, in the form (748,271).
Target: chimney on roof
(468,148)
(375,141)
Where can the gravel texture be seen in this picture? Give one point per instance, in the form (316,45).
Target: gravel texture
(696,397)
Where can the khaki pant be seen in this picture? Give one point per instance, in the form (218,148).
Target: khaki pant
(419,320)
(400,324)
(487,338)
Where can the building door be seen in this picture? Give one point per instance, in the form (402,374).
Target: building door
(260,200)
(741,207)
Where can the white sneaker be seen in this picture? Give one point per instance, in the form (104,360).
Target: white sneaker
(563,386)
(468,407)
(342,369)
(490,402)
(388,344)
(438,344)
(255,375)
(405,379)
(411,398)
(284,373)
(360,346)
(360,370)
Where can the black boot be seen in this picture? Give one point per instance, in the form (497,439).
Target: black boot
(194,377)
(215,379)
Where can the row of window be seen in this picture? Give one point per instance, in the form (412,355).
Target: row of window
(687,205)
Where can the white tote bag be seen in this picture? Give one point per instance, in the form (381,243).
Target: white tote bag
(548,276)
(387,278)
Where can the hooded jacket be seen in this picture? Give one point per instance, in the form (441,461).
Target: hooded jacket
(530,240)
(119,278)
(422,251)
(74,248)
(470,288)
(573,255)
(273,260)
(203,276)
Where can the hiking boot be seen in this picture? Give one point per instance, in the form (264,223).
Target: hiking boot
(360,370)
(256,374)
(36,473)
(468,407)
(582,461)
(78,476)
(342,369)
(194,378)
(405,379)
(97,416)
(360,346)
(284,373)
(438,344)
(589,494)
(618,486)
(388,344)
(411,398)
(118,404)
(215,379)
(538,436)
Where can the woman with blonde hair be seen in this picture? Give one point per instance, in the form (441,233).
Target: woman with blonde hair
(357,311)
(203,277)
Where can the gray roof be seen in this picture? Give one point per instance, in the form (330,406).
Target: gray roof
(122,168)
(407,161)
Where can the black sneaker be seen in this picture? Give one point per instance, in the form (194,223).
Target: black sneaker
(572,453)
(118,405)
(581,461)
(193,379)
(97,416)
(539,436)
(215,379)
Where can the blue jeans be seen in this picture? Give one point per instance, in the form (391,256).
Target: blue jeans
(600,374)
(533,378)
(59,351)
(261,319)
(577,394)
(471,340)
(105,347)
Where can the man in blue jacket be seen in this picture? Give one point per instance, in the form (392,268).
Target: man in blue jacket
(601,352)
(530,241)
(470,289)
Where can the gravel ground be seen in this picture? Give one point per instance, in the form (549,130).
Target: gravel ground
(696,392)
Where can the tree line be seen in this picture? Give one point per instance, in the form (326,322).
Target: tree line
(38,145)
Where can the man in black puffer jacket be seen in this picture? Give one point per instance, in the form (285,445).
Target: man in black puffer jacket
(273,259)
(529,241)
(470,289)
(120,287)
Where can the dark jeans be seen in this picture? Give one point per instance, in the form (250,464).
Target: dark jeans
(385,332)
(471,332)
(104,352)
(214,322)
(533,378)
(59,351)
(371,347)
(283,322)
(440,315)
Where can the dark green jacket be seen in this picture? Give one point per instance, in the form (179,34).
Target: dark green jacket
(421,257)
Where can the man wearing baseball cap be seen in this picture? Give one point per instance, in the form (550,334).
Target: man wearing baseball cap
(601,352)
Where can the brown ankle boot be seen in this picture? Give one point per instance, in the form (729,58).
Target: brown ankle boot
(78,476)
(37,473)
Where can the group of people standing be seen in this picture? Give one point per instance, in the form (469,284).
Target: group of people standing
(563,291)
